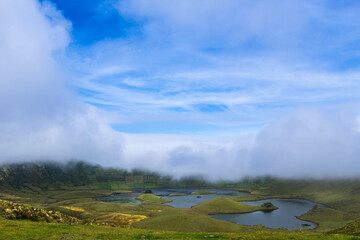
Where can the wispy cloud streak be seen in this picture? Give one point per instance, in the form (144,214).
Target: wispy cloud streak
(228,57)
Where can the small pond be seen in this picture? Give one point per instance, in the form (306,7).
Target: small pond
(284,217)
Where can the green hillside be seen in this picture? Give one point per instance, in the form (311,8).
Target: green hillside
(76,175)
(350,228)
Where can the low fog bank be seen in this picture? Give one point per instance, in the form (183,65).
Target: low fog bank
(309,143)
(42,119)
(306,144)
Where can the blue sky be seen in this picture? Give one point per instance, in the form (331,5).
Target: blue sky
(212,66)
(224,89)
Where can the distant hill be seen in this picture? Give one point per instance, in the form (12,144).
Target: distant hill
(82,175)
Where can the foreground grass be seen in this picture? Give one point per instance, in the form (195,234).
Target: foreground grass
(25,229)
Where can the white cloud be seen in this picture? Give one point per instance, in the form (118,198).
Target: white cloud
(180,155)
(260,59)
(40,119)
(308,143)
(211,23)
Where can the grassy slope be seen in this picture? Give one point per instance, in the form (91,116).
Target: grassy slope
(328,217)
(350,228)
(24,229)
(187,221)
(226,205)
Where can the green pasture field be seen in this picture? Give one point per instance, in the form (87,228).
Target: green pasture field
(25,229)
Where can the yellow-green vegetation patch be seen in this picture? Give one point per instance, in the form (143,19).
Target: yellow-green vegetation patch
(9,196)
(177,194)
(199,192)
(148,198)
(121,218)
(228,205)
(76,209)
(10,210)
(155,210)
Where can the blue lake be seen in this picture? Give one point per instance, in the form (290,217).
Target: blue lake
(191,200)
(284,217)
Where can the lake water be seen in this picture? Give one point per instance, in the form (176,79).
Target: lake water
(177,201)
(193,199)
(284,217)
